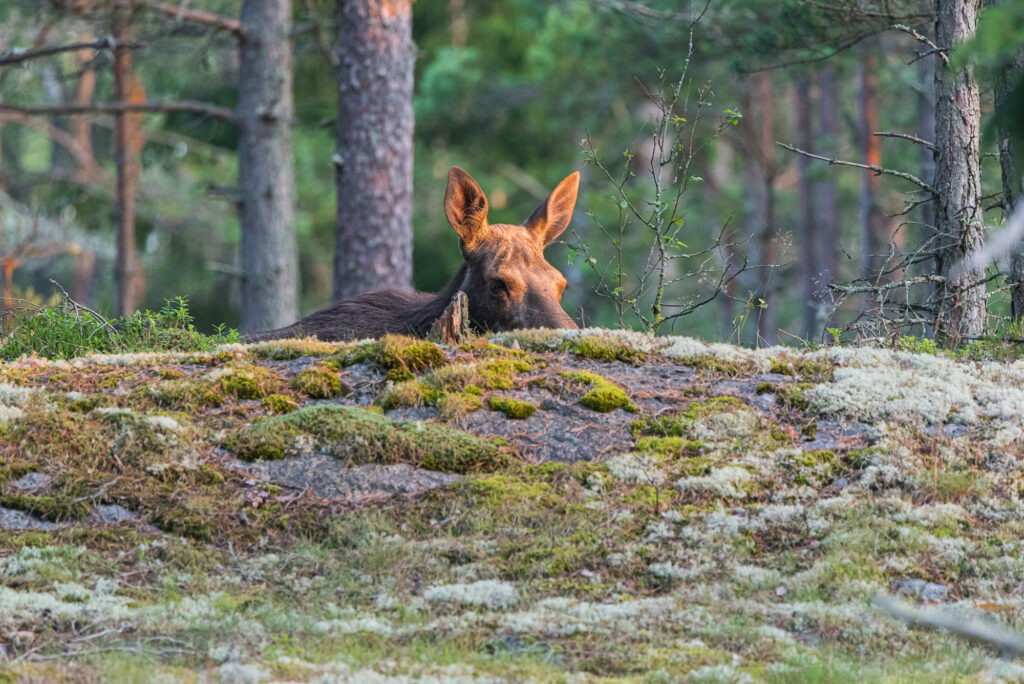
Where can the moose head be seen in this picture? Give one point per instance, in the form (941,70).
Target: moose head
(507,281)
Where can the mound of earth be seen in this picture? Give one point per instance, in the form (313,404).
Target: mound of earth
(542,505)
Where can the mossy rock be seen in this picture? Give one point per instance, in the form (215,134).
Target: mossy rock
(279,403)
(402,357)
(679,423)
(362,436)
(246,381)
(53,508)
(512,408)
(707,363)
(792,396)
(606,348)
(320,382)
(602,395)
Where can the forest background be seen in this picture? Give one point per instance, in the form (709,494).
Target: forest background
(519,93)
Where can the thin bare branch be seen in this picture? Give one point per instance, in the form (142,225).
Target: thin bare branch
(907,136)
(870,167)
(935,49)
(118,107)
(179,12)
(18,55)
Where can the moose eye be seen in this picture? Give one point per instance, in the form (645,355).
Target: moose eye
(498,286)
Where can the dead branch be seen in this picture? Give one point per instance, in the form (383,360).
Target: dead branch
(879,170)
(1007,641)
(907,136)
(122,107)
(935,49)
(18,55)
(179,12)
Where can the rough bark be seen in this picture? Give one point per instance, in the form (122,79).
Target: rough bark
(808,230)
(1011,180)
(266,167)
(958,211)
(373,160)
(826,192)
(128,143)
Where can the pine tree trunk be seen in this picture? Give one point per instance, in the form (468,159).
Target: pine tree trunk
(825,190)
(873,241)
(809,267)
(1011,181)
(373,160)
(81,124)
(958,211)
(766,326)
(266,166)
(127,147)
(926,131)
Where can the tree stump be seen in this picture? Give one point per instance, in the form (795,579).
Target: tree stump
(453,325)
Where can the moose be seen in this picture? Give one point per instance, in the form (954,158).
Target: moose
(506,280)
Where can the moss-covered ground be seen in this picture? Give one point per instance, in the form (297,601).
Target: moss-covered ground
(727,514)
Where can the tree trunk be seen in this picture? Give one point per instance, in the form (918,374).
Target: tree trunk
(958,211)
(766,327)
(926,131)
(809,268)
(373,160)
(873,241)
(265,166)
(128,143)
(1011,182)
(825,189)
(80,126)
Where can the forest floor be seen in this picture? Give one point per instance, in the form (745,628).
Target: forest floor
(546,506)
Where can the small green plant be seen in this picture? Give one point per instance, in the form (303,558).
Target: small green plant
(68,329)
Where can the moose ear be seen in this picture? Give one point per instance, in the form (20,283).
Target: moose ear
(552,217)
(466,207)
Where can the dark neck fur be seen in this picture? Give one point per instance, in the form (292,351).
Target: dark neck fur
(422,316)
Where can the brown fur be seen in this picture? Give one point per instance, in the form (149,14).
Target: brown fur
(506,279)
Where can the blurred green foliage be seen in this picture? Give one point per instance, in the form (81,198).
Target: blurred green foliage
(510,104)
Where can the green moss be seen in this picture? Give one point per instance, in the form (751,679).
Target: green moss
(810,430)
(185,395)
(606,348)
(365,437)
(814,371)
(13,470)
(453,405)
(90,402)
(279,403)
(170,373)
(474,389)
(676,424)
(408,394)
(860,458)
(603,396)
(813,468)
(320,382)
(674,446)
(792,396)
(512,408)
(402,357)
(246,381)
(500,374)
(764,388)
(55,508)
(288,350)
(706,363)
(781,368)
